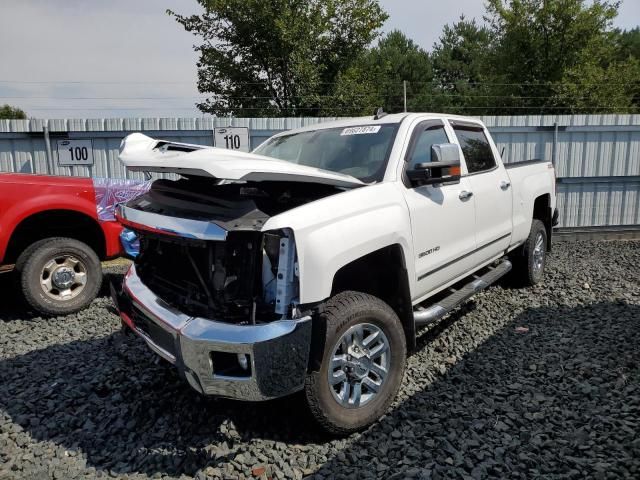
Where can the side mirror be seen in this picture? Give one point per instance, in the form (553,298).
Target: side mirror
(445,167)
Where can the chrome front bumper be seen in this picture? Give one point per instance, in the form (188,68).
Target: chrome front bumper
(278,352)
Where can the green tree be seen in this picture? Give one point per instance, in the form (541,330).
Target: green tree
(461,68)
(281,57)
(376,79)
(397,59)
(627,43)
(591,88)
(355,92)
(9,112)
(628,52)
(558,55)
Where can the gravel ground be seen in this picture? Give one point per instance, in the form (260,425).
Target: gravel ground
(541,382)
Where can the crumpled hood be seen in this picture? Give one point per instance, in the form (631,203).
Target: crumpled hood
(141,153)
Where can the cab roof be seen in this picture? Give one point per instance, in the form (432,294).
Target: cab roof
(390,118)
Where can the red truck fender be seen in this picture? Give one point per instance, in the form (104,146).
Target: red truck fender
(54,231)
(24,196)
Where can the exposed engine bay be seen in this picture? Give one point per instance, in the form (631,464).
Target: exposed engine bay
(233,206)
(251,276)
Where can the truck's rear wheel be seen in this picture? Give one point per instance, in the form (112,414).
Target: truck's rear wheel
(59,276)
(362,364)
(529,265)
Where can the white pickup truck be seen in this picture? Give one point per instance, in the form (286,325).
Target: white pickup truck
(311,263)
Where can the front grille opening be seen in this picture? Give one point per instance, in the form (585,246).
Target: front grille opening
(208,279)
(227,364)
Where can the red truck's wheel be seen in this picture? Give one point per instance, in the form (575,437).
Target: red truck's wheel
(59,276)
(362,365)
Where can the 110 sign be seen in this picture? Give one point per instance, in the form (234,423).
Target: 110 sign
(232,138)
(232,141)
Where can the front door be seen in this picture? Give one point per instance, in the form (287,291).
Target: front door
(442,218)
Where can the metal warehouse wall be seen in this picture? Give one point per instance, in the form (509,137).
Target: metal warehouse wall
(597,157)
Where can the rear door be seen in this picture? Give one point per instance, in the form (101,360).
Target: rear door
(490,185)
(442,217)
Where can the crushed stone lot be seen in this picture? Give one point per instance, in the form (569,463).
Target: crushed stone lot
(539,382)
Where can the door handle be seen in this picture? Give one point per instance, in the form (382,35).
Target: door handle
(465,194)
(504,185)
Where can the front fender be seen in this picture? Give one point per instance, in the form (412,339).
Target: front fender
(335,231)
(20,211)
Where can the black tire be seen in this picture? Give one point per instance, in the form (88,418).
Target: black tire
(31,264)
(525,272)
(342,312)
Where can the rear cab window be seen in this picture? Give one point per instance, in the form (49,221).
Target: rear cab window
(475,146)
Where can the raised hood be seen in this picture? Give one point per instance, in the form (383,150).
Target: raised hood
(141,153)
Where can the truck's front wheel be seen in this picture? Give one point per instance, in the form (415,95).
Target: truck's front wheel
(362,364)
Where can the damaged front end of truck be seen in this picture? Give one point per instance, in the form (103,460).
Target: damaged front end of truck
(211,290)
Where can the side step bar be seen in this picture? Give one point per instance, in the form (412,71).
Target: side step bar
(435,312)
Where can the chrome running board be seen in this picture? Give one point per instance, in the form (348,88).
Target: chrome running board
(425,316)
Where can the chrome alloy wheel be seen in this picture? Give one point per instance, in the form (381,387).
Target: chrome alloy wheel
(538,253)
(360,363)
(63,277)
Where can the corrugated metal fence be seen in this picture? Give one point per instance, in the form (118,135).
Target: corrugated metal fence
(597,157)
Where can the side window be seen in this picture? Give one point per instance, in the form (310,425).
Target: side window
(421,152)
(476,149)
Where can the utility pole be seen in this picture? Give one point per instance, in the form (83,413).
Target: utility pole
(404,91)
(47,146)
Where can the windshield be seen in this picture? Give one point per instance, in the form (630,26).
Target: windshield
(361,151)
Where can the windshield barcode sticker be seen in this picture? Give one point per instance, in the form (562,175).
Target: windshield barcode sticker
(361,130)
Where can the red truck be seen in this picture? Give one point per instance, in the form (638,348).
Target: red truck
(54,231)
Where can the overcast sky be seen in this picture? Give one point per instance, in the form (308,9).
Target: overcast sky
(95,58)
